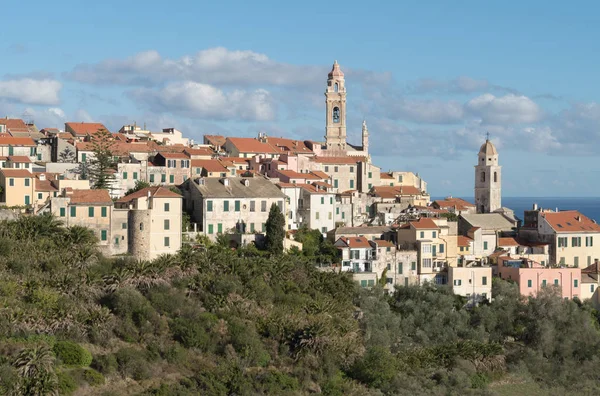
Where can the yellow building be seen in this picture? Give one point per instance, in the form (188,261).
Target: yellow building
(17,187)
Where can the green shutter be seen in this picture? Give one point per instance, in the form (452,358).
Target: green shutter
(209,207)
(210,228)
(124,175)
(167,224)
(163,178)
(171,179)
(167,207)
(400,268)
(91,211)
(62,212)
(237,206)
(167,241)
(134,175)
(103,211)
(73,211)
(124,226)
(152,178)
(225,206)
(219,228)
(529,283)
(103,235)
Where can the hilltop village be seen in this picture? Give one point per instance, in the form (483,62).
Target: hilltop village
(164,190)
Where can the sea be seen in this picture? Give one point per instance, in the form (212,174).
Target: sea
(589,206)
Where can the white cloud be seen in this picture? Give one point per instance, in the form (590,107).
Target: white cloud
(198,100)
(427,111)
(31,91)
(508,109)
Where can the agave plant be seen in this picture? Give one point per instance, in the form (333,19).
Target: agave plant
(35,366)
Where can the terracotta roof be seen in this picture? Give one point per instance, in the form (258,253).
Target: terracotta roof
(312,189)
(424,223)
(295,175)
(320,175)
(199,151)
(16,173)
(322,184)
(84,128)
(13,123)
(173,155)
(215,140)
(18,158)
(570,221)
(592,269)
(394,191)
(463,241)
(507,242)
(90,197)
(356,242)
(120,136)
(155,192)
(211,165)
(385,175)
(456,203)
(499,253)
(14,141)
(235,160)
(44,185)
(288,185)
(383,243)
(64,135)
(284,145)
(251,145)
(347,160)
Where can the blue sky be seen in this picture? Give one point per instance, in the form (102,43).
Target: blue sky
(430,78)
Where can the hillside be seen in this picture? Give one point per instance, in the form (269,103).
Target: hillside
(213,321)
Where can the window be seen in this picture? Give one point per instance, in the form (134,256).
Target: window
(330,200)
(27,200)
(576,242)
(562,242)
(263,227)
(91,211)
(322,200)
(484,280)
(400,268)
(422,234)
(225,206)
(185,163)
(251,227)
(209,207)
(351,184)
(413,266)
(73,211)
(124,226)
(83,157)
(197,171)
(426,248)
(135,175)
(167,224)
(329,216)
(152,178)
(483,176)
(335,183)
(351,169)
(529,283)
(62,212)
(363,283)
(575,282)
(441,248)
(252,206)
(371,282)
(592,288)
(263,206)
(116,240)
(326,169)
(555,282)
(124,175)
(39,195)
(495,177)
(103,235)
(11,182)
(163,178)
(343,215)
(370,175)
(576,261)
(433,234)
(485,245)
(388,249)
(26,182)
(167,241)
(210,229)
(462,248)
(317,215)
(237,206)
(103,211)
(167,207)
(370,185)
(427,263)
(171,179)
(457,282)
(335,168)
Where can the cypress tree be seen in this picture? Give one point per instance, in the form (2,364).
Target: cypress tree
(275,230)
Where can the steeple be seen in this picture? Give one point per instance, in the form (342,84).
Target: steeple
(335,106)
(488,183)
(365,137)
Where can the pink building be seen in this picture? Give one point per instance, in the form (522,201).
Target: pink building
(532,277)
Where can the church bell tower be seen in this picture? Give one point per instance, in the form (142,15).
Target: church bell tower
(335,100)
(488,185)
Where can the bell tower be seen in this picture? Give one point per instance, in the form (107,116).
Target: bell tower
(365,137)
(488,184)
(335,101)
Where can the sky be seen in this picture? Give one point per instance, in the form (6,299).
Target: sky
(431,78)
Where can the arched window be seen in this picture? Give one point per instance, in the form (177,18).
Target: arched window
(495,177)
(336,87)
(336,114)
(482,209)
(482,176)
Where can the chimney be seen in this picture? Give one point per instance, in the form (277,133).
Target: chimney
(578,218)
(246,182)
(535,206)
(42,176)
(149,194)
(597,266)
(225,181)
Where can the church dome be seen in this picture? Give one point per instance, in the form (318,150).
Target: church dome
(335,71)
(488,148)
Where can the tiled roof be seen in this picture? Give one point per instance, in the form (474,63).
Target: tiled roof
(235,160)
(199,151)
(90,197)
(295,175)
(394,191)
(312,189)
(44,185)
(570,221)
(14,141)
(122,148)
(507,242)
(383,243)
(347,160)
(85,128)
(216,140)
(463,241)
(16,173)
(424,223)
(18,158)
(457,203)
(320,174)
(284,145)
(173,155)
(385,175)
(14,123)
(356,242)
(251,145)
(211,165)
(155,192)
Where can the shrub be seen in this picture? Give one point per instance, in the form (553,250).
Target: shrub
(106,364)
(132,363)
(66,384)
(72,354)
(93,377)
(197,332)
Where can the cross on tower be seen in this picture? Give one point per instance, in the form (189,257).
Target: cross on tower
(487,135)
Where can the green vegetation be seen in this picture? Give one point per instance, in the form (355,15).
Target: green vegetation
(139,185)
(99,168)
(217,321)
(275,230)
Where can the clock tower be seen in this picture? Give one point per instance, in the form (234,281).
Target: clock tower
(335,101)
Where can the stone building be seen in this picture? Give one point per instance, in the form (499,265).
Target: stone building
(152,217)
(488,184)
(231,204)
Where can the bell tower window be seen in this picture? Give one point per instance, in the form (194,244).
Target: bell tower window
(483,176)
(336,115)
(495,177)
(336,87)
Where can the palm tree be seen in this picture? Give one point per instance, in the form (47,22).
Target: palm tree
(35,366)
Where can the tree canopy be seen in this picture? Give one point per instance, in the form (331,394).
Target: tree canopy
(275,230)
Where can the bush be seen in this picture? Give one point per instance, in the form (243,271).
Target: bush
(132,363)
(197,332)
(72,354)
(106,364)
(93,377)
(66,384)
